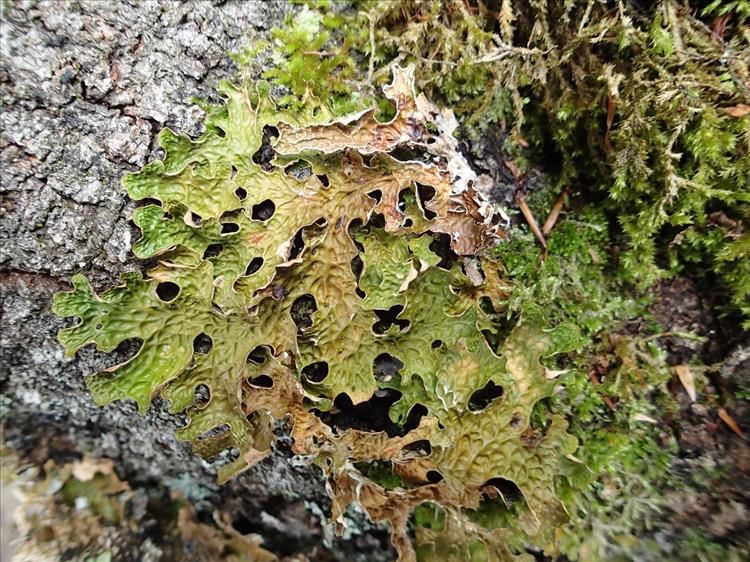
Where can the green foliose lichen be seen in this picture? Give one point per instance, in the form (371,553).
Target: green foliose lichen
(257,276)
(337,244)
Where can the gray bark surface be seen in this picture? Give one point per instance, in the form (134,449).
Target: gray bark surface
(85,86)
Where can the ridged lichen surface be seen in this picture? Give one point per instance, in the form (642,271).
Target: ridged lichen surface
(303,259)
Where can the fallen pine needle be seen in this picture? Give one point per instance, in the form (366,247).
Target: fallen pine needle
(515,170)
(530,219)
(683,335)
(688,381)
(522,142)
(550,374)
(608,401)
(729,420)
(549,224)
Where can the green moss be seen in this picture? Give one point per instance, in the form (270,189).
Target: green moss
(634,103)
(623,462)
(382,473)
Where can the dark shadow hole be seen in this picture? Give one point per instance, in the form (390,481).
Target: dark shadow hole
(233,173)
(509,490)
(230,228)
(258,355)
(129,348)
(167,291)
(202,396)
(360,293)
(386,366)
(486,306)
(425,194)
(278,291)
(324,180)
(355,227)
(215,432)
(212,250)
(263,381)
(299,170)
(221,133)
(503,327)
(436,343)
(357,267)
(243,525)
(316,372)
(195,219)
(408,154)
(422,447)
(241,193)
(408,223)
(377,220)
(320,222)
(433,476)
(375,194)
(441,245)
(387,318)
(298,244)
(370,415)
(265,154)
(202,344)
(482,397)
(302,311)
(255,264)
(417,412)
(264,210)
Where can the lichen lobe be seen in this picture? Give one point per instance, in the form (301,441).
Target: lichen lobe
(255,297)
